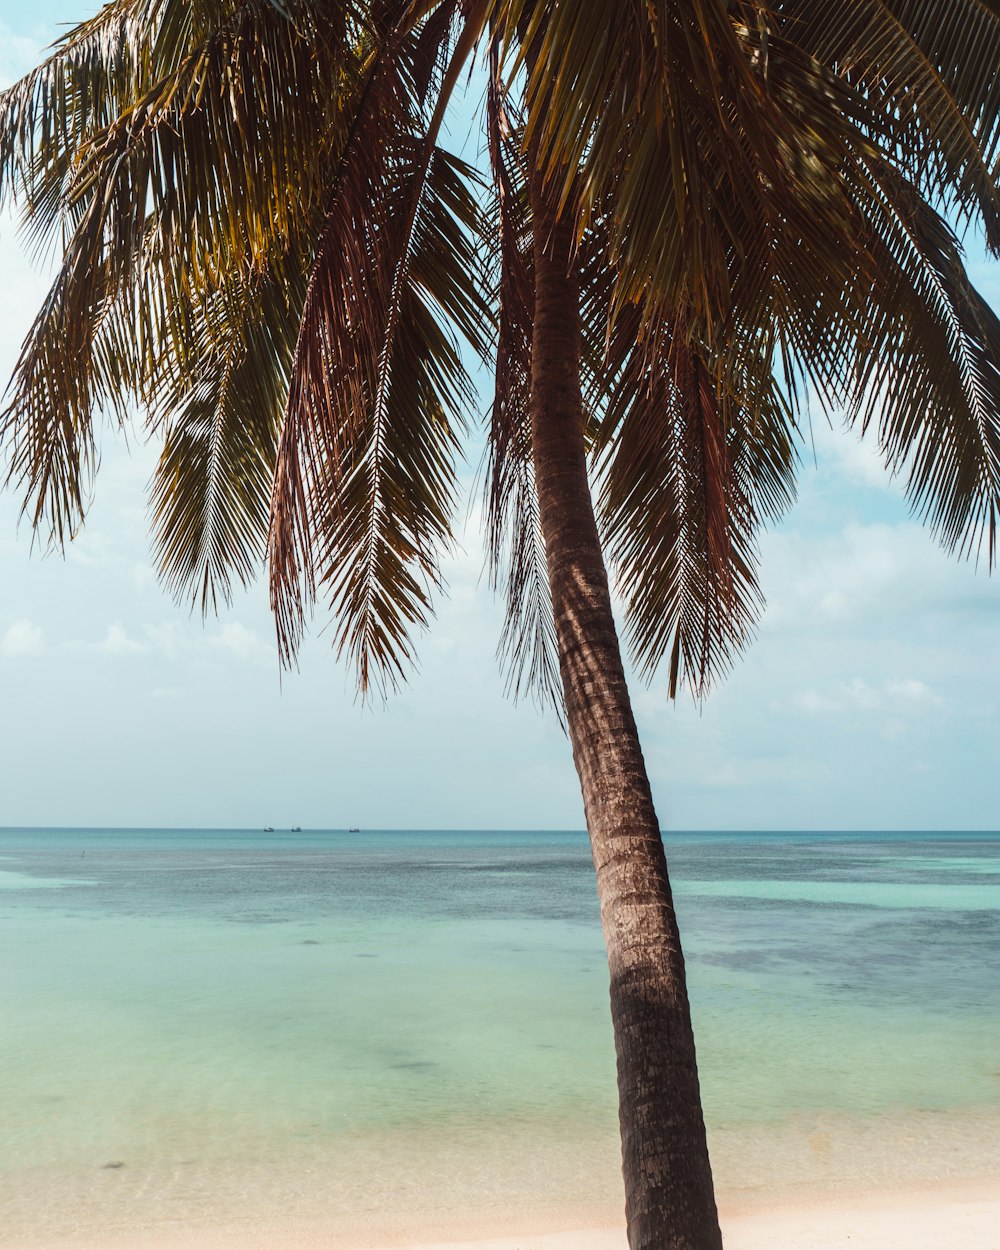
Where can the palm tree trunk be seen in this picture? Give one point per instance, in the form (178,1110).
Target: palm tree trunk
(669,1199)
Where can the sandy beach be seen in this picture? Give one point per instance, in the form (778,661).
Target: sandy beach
(946,1221)
(950,1220)
(962,1216)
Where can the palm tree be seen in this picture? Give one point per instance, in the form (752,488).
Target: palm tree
(700,213)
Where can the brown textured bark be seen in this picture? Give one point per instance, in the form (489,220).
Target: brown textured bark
(669,1199)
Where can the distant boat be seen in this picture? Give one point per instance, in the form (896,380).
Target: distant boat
(354,829)
(269,828)
(296,828)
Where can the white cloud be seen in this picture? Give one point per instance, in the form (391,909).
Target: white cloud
(909,690)
(90,549)
(814,704)
(117,642)
(22,639)
(238,640)
(857,695)
(730,769)
(143,576)
(166,639)
(172,641)
(864,575)
(167,693)
(857,458)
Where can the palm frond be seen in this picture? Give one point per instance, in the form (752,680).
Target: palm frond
(364,484)
(196,175)
(688,477)
(704,120)
(159,92)
(928,75)
(928,372)
(211,491)
(515,548)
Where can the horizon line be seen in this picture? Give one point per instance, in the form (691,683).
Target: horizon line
(466,829)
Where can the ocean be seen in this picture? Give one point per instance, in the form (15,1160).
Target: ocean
(207,1025)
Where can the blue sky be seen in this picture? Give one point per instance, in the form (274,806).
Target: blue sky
(869,700)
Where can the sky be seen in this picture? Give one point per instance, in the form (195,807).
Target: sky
(869,699)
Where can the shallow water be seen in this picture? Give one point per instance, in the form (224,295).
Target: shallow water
(239,1017)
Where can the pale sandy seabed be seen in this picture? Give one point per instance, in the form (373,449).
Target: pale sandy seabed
(915,1181)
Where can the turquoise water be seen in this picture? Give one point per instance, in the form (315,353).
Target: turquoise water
(240,1018)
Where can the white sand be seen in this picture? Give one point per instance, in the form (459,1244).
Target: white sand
(963,1217)
(913,1225)
(913,1222)
(959,1218)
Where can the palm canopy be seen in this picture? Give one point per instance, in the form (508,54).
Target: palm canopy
(264,247)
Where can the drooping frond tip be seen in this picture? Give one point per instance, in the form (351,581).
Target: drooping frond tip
(688,478)
(515,549)
(365,481)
